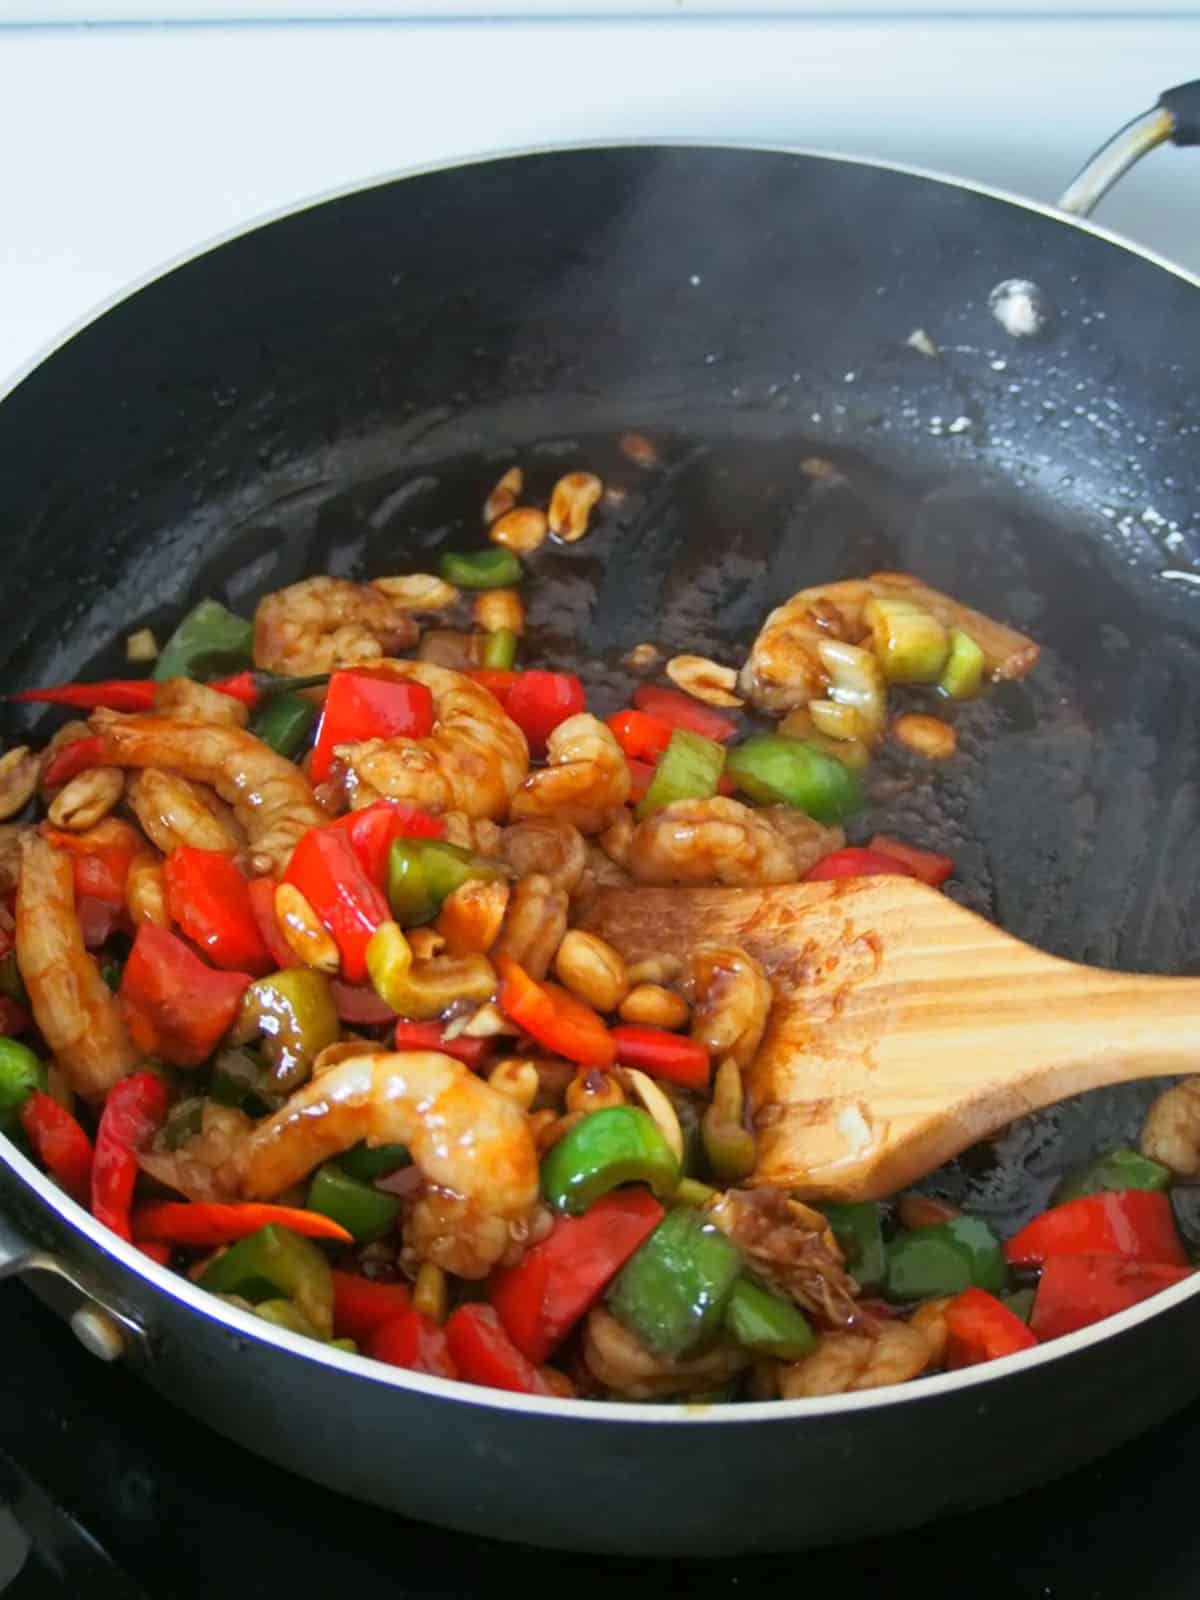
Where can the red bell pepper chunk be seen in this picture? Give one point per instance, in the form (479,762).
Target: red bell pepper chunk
(210,900)
(663,1055)
(361,1306)
(924,864)
(1137,1224)
(679,710)
(539,701)
(980,1328)
(134,1110)
(115,694)
(368,705)
(484,1354)
(495,680)
(100,858)
(59,1143)
(204,1224)
(553,1017)
(373,830)
(96,920)
(640,775)
(641,736)
(160,1253)
(328,874)
(428,1036)
(854,862)
(14,1019)
(175,1006)
(558,1281)
(1076,1291)
(357,1003)
(72,759)
(415,1341)
(262,905)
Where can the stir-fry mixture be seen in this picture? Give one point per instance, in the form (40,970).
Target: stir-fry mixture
(298,990)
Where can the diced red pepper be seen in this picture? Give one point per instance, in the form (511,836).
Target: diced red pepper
(361,1306)
(71,759)
(640,775)
(203,1224)
(59,1143)
(100,858)
(855,862)
(357,1003)
(558,1281)
(115,694)
(415,1341)
(1076,1291)
(980,1328)
(1136,1224)
(327,873)
(262,905)
(428,1036)
(175,1006)
(209,897)
(553,1017)
(484,1354)
(496,681)
(539,701)
(134,1110)
(679,710)
(369,705)
(924,864)
(641,736)
(97,919)
(661,1054)
(14,1019)
(373,830)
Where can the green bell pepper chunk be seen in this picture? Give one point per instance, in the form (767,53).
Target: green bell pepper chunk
(366,1212)
(1118,1169)
(775,770)
(765,1323)
(859,1233)
(673,1291)
(688,769)
(481,569)
(946,1259)
(210,640)
(20,1074)
(368,1162)
(621,1144)
(1020,1302)
(275,1263)
(962,676)
(294,1018)
(500,650)
(284,722)
(285,1314)
(423,872)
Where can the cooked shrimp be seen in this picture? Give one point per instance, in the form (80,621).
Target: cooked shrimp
(534,924)
(807,839)
(188,701)
(323,623)
(547,845)
(174,811)
(783,669)
(472,762)
(586,782)
(790,1247)
(709,841)
(730,996)
(77,1012)
(10,854)
(271,798)
(622,1363)
(843,1363)
(472,1145)
(1171,1131)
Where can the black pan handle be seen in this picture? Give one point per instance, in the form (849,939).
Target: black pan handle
(1175,120)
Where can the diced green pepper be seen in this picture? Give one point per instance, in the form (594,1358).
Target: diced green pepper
(728,1143)
(286,1264)
(1020,1302)
(285,1314)
(775,770)
(621,1144)
(946,1259)
(480,569)
(688,769)
(765,1323)
(910,642)
(209,640)
(20,1074)
(366,1212)
(1118,1169)
(293,1015)
(859,1233)
(368,1162)
(673,1291)
(423,872)
(284,722)
(962,676)
(500,650)
(183,1122)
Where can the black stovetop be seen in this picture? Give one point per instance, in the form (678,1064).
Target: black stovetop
(126,1499)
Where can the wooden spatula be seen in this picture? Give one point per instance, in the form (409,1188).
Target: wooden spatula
(905,1028)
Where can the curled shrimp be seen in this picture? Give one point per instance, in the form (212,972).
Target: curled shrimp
(1171,1131)
(471,1144)
(844,1363)
(74,1008)
(783,669)
(586,781)
(188,701)
(710,841)
(472,762)
(271,798)
(173,811)
(323,623)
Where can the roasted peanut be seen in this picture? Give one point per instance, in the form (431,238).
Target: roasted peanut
(593,1089)
(927,736)
(654,969)
(85,800)
(638,449)
(522,530)
(146,893)
(655,1007)
(504,496)
(18,779)
(554,1078)
(418,591)
(642,658)
(471,917)
(591,969)
(704,680)
(303,931)
(141,646)
(534,924)
(656,1103)
(571,504)
(516,1079)
(500,608)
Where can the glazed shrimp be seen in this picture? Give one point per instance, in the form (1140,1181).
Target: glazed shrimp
(710,841)
(586,782)
(323,623)
(844,1363)
(271,798)
(173,811)
(76,1011)
(471,1144)
(472,762)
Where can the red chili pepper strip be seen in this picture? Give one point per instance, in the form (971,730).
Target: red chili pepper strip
(373,830)
(681,711)
(641,736)
(116,694)
(495,680)
(243,686)
(209,898)
(663,1055)
(361,1307)
(368,705)
(1136,1224)
(558,1281)
(14,1019)
(554,1017)
(428,1036)
(161,1253)
(539,701)
(414,1341)
(262,905)
(924,864)
(72,759)
(484,1354)
(175,1006)
(327,873)
(59,1143)
(855,862)
(1076,1291)
(133,1112)
(204,1224)
(980,1328)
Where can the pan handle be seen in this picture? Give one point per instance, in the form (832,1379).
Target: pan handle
(1175,119)
(101,1329)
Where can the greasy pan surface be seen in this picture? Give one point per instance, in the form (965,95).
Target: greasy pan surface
(336,391)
